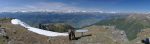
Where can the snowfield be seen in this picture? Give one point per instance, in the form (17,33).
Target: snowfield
(82,30)
(37,30)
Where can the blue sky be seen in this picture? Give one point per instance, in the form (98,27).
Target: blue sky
(88,5)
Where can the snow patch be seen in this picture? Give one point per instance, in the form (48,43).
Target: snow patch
(82,30)
(37,30)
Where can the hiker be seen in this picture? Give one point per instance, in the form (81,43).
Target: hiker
(146,41)
(71,33)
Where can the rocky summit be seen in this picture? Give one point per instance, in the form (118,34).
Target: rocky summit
(16,34)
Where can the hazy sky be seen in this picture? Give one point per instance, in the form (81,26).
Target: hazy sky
(88,5)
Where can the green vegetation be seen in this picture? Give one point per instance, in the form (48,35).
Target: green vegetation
(2,40)
(56,27)
(5,19)
(131,27)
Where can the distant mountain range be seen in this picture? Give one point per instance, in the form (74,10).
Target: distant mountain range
(76,19)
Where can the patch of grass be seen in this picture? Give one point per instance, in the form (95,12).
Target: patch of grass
(2,40)
(56,27)
(5,19)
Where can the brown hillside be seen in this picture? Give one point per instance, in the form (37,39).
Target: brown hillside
(19,35)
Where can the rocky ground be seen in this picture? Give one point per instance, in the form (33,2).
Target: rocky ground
(15,34)
(103,35)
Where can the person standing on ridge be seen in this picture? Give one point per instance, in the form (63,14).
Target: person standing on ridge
(146,41)
(71,33)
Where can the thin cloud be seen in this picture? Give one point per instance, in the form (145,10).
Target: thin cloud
(43,6)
